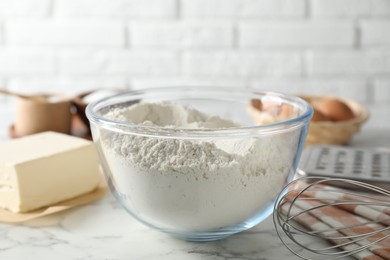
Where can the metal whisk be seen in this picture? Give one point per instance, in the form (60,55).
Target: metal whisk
(356,221)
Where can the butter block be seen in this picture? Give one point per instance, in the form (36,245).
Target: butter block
(45,168)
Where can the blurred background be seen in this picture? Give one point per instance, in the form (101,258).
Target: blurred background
(337,47)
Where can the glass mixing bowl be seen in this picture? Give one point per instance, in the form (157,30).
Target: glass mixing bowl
(201,184)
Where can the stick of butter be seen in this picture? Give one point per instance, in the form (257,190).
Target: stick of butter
(45,168)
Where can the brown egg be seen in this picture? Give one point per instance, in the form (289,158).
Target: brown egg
(319,116)
(269,106)
(334,109)
(286,111)
(256,103)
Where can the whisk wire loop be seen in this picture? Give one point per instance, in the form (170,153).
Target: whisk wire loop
(356,223)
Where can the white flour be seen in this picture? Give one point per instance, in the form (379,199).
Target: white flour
(193,185)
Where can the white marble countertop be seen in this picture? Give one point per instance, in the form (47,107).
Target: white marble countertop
(102,230)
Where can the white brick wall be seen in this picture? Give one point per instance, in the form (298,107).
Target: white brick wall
(181,34)
(350,8)
(65,33)
(348,63)
(24,8)
(241,64)
(116,9)
(299,33)
(2,98)
(376,32)
(60,84)
(1,34)
(141,83)
(242,8)
(339,47)
(21,62)
(119,63)
(348,88)
(382,90)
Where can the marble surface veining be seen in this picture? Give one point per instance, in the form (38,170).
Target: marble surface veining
(103,230)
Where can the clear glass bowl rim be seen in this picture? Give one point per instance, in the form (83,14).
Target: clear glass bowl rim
(146,130)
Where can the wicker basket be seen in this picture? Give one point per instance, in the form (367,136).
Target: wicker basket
(340,133)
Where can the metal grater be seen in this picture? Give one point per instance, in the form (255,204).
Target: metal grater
(367,165)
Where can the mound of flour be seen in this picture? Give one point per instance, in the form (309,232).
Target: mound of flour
(194,185)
